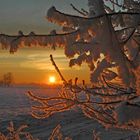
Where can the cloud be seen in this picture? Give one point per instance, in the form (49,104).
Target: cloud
(42,62)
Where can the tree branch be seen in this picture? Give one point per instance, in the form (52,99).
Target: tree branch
(82,13)
(57,69)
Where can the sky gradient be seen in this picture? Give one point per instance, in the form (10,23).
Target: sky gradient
(29,15)
(33,65)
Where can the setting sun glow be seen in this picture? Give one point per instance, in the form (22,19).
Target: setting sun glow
(52,79)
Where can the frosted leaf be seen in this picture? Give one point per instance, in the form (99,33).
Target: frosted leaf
(6,40)
(81,47)
(16,134)
(98,71)
(70,21)
(82,58)
(58,40)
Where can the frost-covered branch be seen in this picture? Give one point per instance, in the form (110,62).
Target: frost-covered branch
(57,134)
(93,104)
(16,134)
(21,40)
(67,20)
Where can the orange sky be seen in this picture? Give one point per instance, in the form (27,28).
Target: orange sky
(34,66)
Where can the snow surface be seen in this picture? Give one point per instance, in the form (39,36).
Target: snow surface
(15,106)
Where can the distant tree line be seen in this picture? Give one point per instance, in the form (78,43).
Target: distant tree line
(6,80)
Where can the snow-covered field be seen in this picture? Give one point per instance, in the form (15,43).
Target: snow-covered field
(15,106)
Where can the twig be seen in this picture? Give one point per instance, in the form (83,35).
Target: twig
(57,69)
(82,13)
(86,12)
(114,87)
(129,37)
(78,89)
(115,3)
(109,10)
(97,17)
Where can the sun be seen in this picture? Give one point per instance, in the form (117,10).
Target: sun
(52,79)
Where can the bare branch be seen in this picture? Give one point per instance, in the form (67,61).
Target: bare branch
(86,12)
(116,3)
(82,13)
